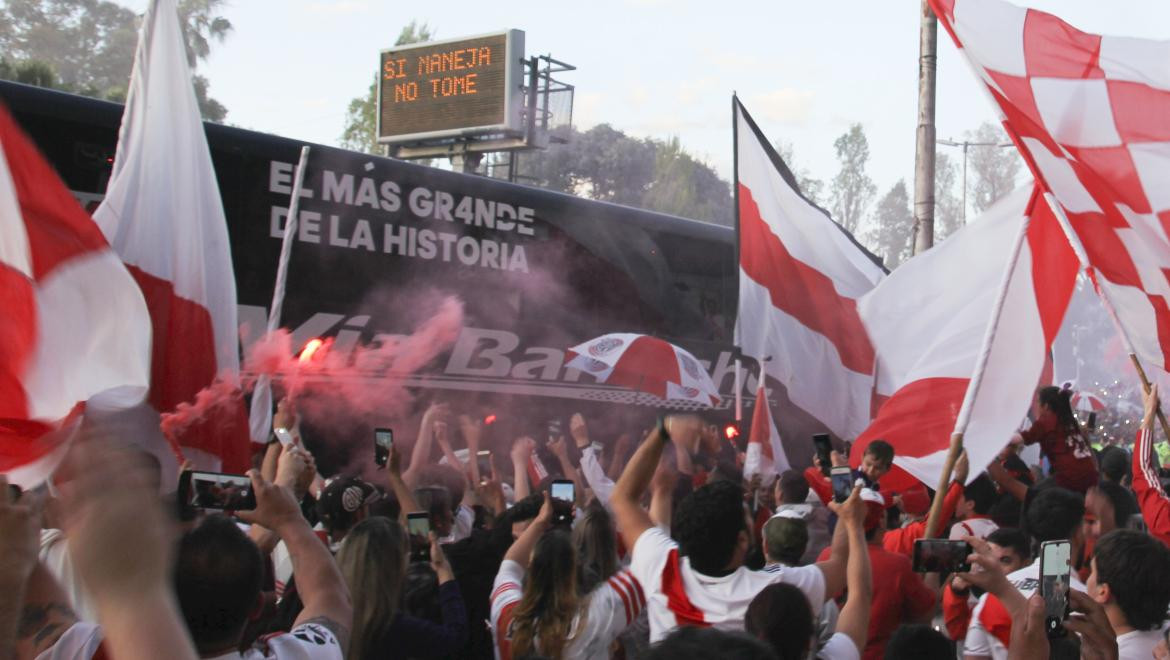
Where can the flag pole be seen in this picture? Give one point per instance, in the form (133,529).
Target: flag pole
(973,387)
(260,415)
(924,156)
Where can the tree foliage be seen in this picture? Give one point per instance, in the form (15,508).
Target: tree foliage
(88,45)
(893,226)
(993,169)
(948,206)
(851,190)
(811,187)
(604,163)
(361,117)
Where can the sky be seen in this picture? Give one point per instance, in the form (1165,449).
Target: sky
(806,70)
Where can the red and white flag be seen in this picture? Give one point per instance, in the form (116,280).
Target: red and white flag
(73,324)
(800,276)
(1091,117)
(962,333)
(765,453)
(163,214)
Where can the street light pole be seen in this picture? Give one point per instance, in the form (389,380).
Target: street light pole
(965,144)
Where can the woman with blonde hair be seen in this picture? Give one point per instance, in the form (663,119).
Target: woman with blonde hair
(538,609)
(373,560)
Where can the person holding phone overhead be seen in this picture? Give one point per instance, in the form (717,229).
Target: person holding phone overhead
(537,608)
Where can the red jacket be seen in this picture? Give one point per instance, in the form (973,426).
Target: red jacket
(902,540)
(899,594)
(956,610)
(1073,466)
(1154,504)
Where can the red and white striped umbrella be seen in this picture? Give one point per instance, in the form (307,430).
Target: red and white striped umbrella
(1087,402)
(646,364)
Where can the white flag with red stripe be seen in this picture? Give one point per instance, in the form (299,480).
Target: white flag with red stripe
(800,276)
(73,324)
(1089,115)
(765,452)
(933,317)
(163,214)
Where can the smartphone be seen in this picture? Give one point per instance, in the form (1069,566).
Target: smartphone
(212,490)
(554,429)
(483,460)
(824,448)
(842,480)
(418,526)
(283,435)
(941,556)
(383,442)
(1055,581)
(562,500)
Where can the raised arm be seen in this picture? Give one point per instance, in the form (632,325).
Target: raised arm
(854,618)
(19,528)
(402,492)
(1154,504)
(134,599)
(835,568)
(319,582)
(521,550)
(626,501)
(521,451)
(421,453)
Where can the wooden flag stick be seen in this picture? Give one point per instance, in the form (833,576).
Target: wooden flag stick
(944,482)
(1146,389)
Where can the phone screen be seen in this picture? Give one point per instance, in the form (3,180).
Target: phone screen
(383,442)
(483,460)
(824,447)
(562,496)
(418,525)
(1055,581)
(842,479)
(554,429)
(941,556)
(212,490)
(283,436)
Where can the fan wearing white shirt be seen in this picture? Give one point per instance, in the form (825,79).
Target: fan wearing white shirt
(698,578)
(1130,578)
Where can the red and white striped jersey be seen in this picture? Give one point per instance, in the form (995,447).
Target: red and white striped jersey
(607,611)
(677,595)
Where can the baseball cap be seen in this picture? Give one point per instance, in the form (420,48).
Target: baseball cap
(341,498)
(875,507)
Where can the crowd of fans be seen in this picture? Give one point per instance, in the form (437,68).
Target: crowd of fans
(670,552)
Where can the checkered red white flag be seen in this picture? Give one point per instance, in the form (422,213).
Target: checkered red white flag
(1091,117)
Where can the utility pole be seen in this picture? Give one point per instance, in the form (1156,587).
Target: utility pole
(924,158)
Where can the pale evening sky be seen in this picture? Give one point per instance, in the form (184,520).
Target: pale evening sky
(656,68)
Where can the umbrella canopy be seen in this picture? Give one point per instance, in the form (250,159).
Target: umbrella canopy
(1087,402)
(646,364)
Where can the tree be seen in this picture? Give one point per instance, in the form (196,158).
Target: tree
(993,169)
(851,191)
(89,44)
(811,187)
(893,226)
(606,164)
(948,207)
(361,117)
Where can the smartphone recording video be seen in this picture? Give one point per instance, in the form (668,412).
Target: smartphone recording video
(555,429)
(483,460)
(284,436)
(824,449)
(562,493)
(842,480)
(941,556)
(383,442)
(1055,581)
(418,526)
(212,490)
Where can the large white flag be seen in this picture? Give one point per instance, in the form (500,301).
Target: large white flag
(163,215)
(933,318)
(800,276)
